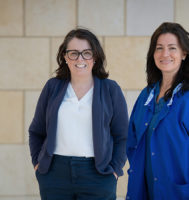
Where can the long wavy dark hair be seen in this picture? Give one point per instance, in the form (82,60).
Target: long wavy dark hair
(153,73)
(98,70)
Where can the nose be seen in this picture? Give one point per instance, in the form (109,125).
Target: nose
(165,52)
(80,57)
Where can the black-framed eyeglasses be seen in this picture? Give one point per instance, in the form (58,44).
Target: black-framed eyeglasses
(86,54)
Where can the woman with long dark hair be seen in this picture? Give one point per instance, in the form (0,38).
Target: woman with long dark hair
(158,138)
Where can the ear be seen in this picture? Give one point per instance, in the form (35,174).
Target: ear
(184,55)
(66,59)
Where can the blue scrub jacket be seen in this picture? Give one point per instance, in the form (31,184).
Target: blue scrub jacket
(169,147)
(109,123)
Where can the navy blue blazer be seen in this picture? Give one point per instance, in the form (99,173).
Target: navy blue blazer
(109,124)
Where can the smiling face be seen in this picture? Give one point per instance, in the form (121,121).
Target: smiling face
(168,54)
(80,67)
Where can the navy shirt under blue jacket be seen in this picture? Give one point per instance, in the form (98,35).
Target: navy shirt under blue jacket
(109,124)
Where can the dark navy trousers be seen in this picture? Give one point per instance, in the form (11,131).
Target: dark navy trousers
(75,178)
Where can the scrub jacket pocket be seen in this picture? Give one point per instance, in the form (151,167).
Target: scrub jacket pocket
(173,191)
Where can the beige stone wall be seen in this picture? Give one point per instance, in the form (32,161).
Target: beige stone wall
(30,33)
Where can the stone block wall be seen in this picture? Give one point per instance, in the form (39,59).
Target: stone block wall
(30,34)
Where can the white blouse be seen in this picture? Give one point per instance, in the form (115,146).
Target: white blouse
(74,125)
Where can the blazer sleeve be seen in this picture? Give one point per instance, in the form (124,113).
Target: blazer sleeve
(37,129)
(119,129)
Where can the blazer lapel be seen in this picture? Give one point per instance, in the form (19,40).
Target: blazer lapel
(96,115)
(54,115)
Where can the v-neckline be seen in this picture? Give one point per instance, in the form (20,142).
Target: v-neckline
(84,97)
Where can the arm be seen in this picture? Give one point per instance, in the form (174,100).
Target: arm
(135,117)
(119,128)
(131,139)
(37,129)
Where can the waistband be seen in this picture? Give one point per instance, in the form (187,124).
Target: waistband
(70,158)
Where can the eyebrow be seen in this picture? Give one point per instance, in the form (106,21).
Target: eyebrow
(77,50)
(168,44)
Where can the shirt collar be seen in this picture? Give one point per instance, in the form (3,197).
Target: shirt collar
(152,94)
(70,94)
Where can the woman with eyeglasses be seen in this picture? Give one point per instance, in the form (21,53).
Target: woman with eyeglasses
(78,134)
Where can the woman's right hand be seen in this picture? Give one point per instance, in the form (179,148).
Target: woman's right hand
(116,176)
(36,167)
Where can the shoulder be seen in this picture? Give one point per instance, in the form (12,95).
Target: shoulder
(144,94)
(113,91)
(186,95)
(141,99)
(53,82)
(109,81)
(182,98)
(111,84)
(180,107)
(52,85)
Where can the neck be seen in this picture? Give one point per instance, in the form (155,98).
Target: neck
(166,82)
(165,85)
(82,86)
(80,82)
